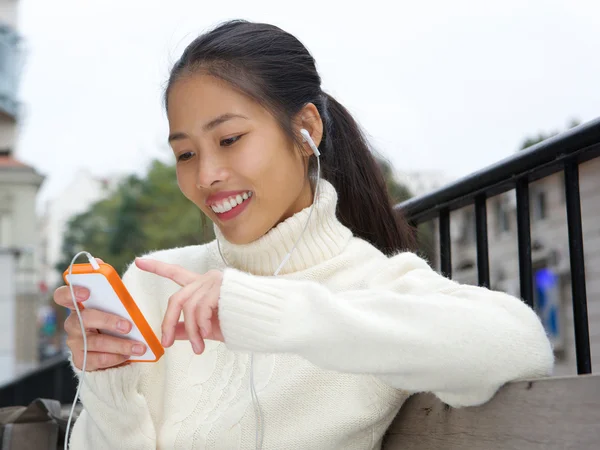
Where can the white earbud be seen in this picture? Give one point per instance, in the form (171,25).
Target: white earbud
(306,138)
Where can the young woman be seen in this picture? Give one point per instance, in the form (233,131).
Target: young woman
(311,302)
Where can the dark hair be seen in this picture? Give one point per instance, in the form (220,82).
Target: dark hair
(275,69)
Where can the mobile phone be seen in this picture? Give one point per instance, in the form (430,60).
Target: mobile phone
(109,294)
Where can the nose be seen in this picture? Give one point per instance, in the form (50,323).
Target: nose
(210,171)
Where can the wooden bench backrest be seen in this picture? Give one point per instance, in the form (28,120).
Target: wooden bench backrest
(553,413)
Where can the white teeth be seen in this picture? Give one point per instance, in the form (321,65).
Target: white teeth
(230,203)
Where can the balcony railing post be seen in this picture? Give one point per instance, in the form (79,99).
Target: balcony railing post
(445,244)
(483,261)
(524,238)
(580,314)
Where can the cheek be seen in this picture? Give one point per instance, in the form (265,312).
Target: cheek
(185,181)
(271,160)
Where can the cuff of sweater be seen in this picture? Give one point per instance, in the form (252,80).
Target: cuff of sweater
(117,386)
(252,310)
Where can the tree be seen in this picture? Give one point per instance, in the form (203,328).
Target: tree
(399,193)
(142,215)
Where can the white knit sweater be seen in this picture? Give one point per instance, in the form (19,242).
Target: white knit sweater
(341,338)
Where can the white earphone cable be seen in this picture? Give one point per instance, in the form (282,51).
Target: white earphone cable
(260,425)
(95,265)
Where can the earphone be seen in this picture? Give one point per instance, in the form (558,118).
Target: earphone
(258,411)
(260,426)
(307,138)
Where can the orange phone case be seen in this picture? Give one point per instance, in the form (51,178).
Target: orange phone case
(109,294)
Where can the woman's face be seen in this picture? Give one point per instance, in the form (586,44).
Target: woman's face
(233,159)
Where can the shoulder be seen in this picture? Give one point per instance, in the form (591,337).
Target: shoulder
(363,251)
(376,265)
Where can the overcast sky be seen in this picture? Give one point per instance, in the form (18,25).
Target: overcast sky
(439,85)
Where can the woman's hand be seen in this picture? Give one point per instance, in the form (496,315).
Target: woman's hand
(104,351)
(198,298)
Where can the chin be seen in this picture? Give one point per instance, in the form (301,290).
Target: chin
(239,237)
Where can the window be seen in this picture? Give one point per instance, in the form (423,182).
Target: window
(538,205)
(4,230)
(502,216)
(563,192)
(467,235)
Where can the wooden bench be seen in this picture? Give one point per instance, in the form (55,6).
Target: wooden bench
(547,414)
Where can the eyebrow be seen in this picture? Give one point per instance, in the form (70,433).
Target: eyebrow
(208,126)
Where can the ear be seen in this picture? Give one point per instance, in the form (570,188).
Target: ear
(309,119)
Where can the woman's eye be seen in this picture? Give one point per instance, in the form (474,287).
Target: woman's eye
(185,156)
(230,141)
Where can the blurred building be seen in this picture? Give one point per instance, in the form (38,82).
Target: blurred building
(550,255)
(19,184)
(78,196)
(422,182)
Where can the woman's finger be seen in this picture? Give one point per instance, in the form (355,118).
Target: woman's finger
(62,296)
(174,308)
(72,326)
(105,343)
(95,319)
(173,272)
(98,360)
(191,326)
(205,310)
(106,360)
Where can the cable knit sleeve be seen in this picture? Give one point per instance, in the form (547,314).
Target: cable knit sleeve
(116,414)
(413,328)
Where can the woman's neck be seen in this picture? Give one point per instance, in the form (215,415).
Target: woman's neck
(322,238)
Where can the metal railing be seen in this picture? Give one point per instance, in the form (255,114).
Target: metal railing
(52,379)
(565,153)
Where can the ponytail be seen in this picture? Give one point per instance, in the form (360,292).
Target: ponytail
(364,203)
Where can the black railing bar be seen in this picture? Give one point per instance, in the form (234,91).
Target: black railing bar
(524,242)
(489,181)
(483,257)
(423,215)
(576,255)
(420,214)
(467,200)
(445,244)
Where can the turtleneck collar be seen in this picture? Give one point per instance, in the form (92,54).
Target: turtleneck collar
(324,238)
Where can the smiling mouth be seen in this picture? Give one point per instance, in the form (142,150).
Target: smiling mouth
(231,203)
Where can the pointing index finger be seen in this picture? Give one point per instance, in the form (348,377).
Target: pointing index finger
(173,272)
